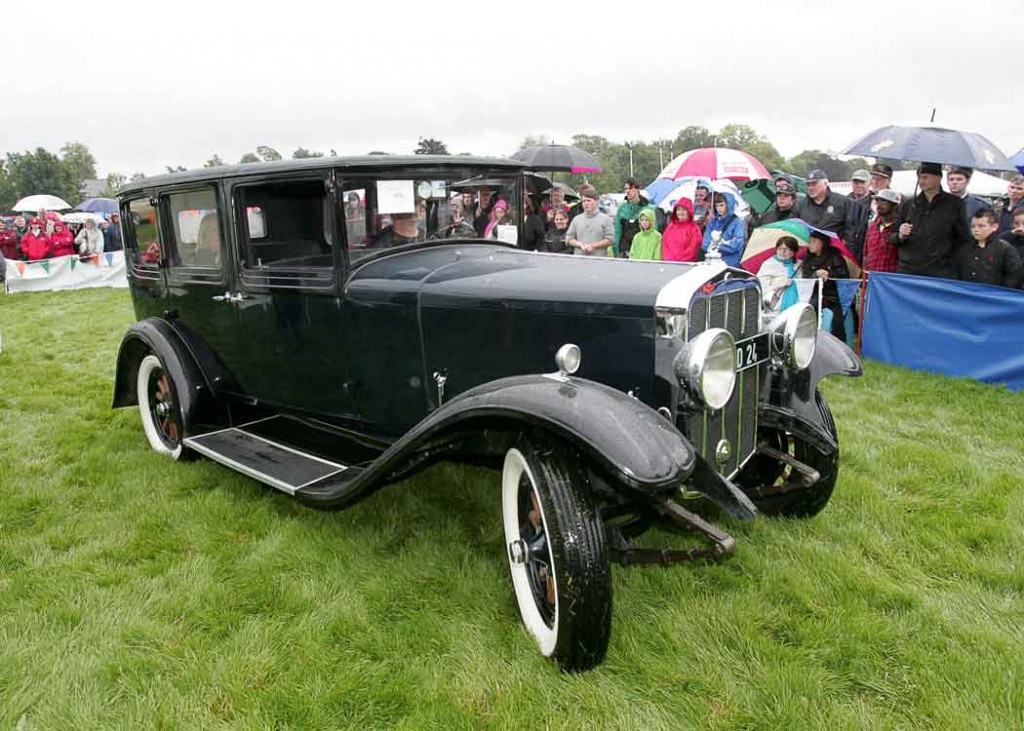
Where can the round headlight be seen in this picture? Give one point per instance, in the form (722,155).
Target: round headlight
(795,335)
(707,366)
(568,358)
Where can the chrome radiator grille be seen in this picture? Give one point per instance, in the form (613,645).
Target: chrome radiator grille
(736,310)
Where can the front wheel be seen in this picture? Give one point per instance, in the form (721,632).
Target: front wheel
(558,554)
(777,489)
(160,408)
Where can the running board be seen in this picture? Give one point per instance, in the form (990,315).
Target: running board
(270,462)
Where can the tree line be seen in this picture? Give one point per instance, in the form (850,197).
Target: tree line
(63,173)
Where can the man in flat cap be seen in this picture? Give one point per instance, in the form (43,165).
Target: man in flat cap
(881,177)
(933,228)
(825,209)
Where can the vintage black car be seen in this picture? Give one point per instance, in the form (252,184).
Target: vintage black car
(330,326)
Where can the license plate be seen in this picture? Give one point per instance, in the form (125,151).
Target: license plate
(752,351)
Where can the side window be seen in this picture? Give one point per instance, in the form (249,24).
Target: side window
(285,234)
(142,237)
(195,220)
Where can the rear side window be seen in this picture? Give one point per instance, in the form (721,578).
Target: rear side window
(286,235)
(142,239)
(196,222)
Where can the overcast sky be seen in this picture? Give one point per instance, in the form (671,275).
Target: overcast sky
(151,84)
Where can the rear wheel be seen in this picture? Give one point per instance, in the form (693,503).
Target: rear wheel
(558,554)
(160,409)
(776,488)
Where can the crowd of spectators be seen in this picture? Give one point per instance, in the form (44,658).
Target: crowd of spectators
(46,236)
(936,233)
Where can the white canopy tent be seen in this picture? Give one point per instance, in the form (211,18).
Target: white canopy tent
(990,186)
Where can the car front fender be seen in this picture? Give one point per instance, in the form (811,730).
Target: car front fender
(627,440)
(797,409)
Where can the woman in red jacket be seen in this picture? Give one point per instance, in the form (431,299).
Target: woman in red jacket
(682,238)
(35,244)
(62,243)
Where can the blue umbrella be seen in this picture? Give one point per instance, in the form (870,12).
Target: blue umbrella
(660,188)
(105,206)
(1018,160)
(931,144)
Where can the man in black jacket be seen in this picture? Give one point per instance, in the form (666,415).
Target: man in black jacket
(825,209)
(933,228)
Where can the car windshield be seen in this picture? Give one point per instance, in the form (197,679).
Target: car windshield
(384,212)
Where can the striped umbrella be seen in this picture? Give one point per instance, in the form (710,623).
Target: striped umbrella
(764,238)
(715,163)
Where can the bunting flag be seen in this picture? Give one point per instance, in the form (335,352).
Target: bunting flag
(63,272)
(95,258)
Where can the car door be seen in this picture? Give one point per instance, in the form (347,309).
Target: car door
(200,280)
(286,259)
(144,251)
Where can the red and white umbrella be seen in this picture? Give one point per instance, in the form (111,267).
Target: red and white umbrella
(715,163)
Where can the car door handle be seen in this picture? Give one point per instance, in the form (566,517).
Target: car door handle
(226,297)
(237,296)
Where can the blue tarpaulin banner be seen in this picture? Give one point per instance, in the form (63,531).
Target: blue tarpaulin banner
(945,326)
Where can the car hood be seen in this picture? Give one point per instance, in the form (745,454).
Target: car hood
(514,277)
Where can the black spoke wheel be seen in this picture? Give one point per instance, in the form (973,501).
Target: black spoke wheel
(776,488)
(159,408)
(558,555)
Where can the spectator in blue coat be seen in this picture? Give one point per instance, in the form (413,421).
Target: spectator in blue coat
(726,231)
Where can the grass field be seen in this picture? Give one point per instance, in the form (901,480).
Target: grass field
(136,593)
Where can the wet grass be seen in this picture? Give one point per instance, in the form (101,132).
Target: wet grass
(137,593)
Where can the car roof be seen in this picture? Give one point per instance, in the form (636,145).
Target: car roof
(361,163)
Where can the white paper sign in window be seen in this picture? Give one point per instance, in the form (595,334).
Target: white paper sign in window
(508,234)
(396,196)
(257,222)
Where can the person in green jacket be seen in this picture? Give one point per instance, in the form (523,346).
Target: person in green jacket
(626,222)
(647,242)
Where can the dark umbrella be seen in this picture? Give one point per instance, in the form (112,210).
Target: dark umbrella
(558,157)
(98,205)
(1018,160)
(536,183)
(931,144)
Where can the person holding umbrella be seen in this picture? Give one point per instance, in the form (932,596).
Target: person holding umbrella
(933,229)
(826,263)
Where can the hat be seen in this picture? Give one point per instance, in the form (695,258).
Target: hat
(888,194)
(861,175)
(501,203)
(35,222)
(882,169)
(816,175)
(784,187)
(930,168)
(965,171)
(783,176)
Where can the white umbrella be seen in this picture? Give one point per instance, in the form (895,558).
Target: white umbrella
(36,203)
(688,188)
(82,217)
